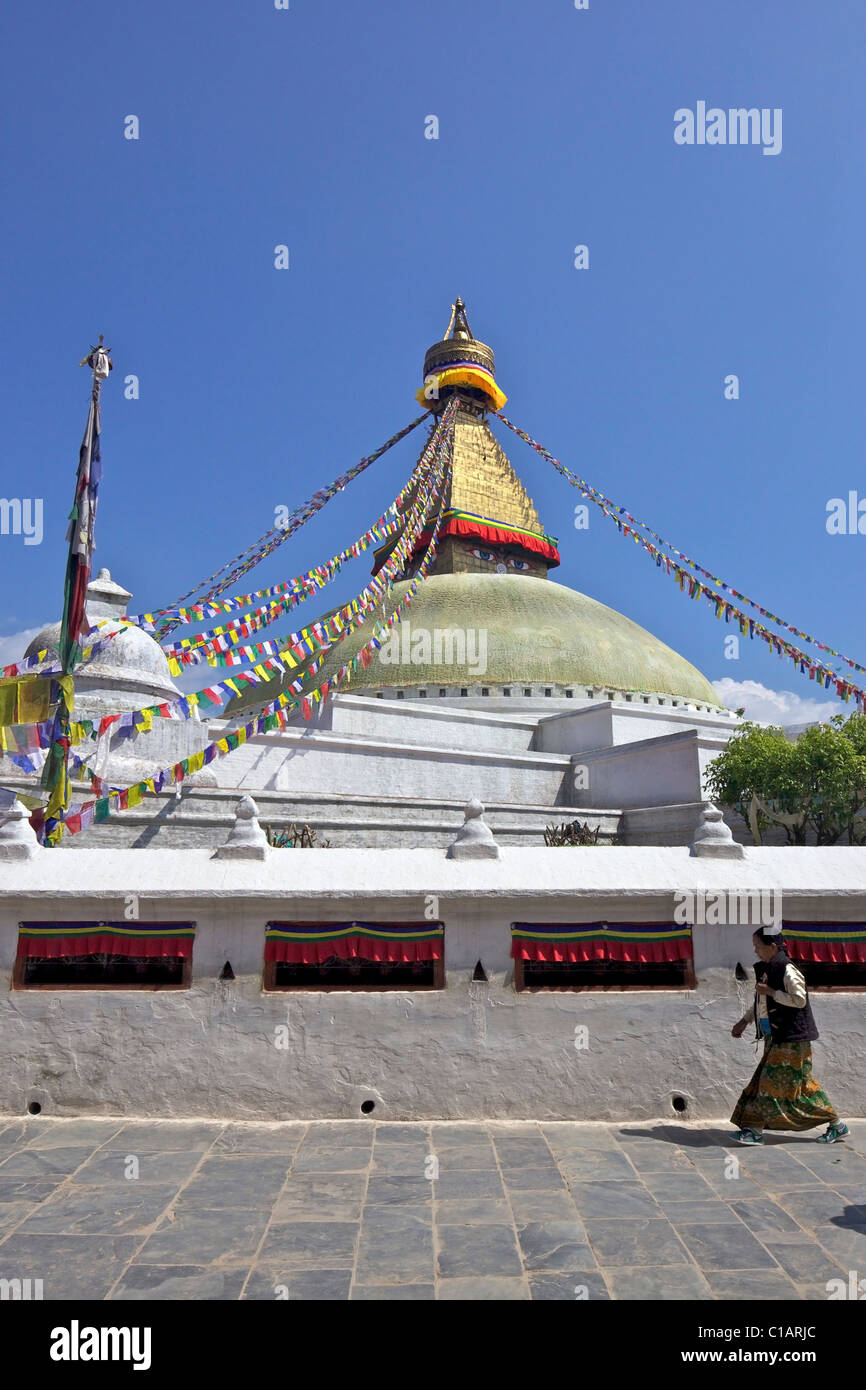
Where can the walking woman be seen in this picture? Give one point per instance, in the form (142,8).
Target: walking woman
(782,1094)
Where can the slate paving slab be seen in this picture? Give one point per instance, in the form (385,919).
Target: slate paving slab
(725,1247)
(105,1167)
(750,1283)
(247,1181)
(70,1266)
(542,1206)
(399,1190)
(163,1282)
(675,1283)
(477,1212)
(465,1157)
(396,1246)
(401,1159)
(344,1210)
(582,1165)
(337,1159)
(472,1251)
(161,1136)
(69,1133)
(312,1196)
(119,1208)
(273,1283)
(41,1163)
(483,1290)
(204,1237)
(399,1293)
(260,1139)
(614,1200)
(819,1206)
(641,1241)
(583,1286)
(554,1245)
(307,1244)
(452,1184)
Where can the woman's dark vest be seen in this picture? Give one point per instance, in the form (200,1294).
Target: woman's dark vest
(787,1024)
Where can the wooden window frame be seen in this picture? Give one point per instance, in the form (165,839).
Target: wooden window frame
(19,970)
(521,987)
(269,985)
(803,965)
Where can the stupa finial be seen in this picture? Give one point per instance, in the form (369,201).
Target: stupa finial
(458,324)
(460,362)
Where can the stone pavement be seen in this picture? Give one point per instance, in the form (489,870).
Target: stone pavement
(355,1209)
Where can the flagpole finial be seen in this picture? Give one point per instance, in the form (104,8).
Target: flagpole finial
(98,360)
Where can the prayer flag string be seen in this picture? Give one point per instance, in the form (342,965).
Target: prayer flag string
(748,626)
(276,713)
(275,537)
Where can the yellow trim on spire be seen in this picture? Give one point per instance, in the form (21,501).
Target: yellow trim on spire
(466,376)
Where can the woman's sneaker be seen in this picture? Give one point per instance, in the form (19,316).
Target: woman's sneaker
(748,1136)
(834,1132)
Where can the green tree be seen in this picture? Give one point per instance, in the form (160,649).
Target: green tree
(813,784)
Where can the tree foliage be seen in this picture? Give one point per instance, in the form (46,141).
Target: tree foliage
(814,785)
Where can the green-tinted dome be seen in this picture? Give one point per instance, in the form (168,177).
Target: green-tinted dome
(537,633)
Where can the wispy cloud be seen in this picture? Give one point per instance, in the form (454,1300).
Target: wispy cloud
(774,706)
(13,647)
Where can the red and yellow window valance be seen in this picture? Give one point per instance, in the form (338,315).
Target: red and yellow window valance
(570,942)
(842,943)
(457,523)
(105,938)
(311,943)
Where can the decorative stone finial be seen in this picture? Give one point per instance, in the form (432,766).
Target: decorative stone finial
(17,836)
(474,839)
(713,838)
(246,838)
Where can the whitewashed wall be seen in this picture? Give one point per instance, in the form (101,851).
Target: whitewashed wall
(471,1050)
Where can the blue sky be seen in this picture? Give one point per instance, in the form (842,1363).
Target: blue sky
(306,127)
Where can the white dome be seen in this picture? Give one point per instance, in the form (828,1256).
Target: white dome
(129,673)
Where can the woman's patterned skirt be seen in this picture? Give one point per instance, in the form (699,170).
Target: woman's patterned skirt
(783,1094)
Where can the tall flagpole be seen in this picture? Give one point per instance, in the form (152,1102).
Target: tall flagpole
(82,520)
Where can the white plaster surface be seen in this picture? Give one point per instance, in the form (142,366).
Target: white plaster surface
(464,1052)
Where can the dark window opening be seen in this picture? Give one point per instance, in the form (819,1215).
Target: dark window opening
(831,975)
(337,972)
(603,974)
(102,971)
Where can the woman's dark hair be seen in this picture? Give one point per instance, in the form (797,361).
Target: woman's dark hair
(768,938)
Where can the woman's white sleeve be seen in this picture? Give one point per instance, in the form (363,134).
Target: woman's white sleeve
(794,993)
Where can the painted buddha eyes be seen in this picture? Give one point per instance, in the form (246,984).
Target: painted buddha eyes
(502,562)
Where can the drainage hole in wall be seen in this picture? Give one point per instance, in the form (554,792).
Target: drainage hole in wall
(34,1108)
(680,1104)
(367,1107)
